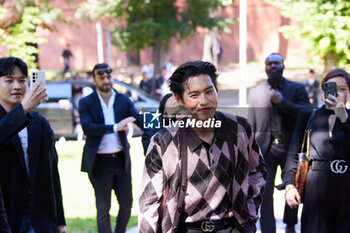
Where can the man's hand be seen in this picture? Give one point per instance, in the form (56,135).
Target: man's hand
(275,96)
(123,124)
(35,97)
(61,229)
(311,101)
(293,198)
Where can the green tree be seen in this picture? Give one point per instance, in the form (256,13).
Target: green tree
(153,23)
(323,25)
(18,23)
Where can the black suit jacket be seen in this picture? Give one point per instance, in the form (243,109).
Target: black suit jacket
(92,122)
(42,187)
(295,98)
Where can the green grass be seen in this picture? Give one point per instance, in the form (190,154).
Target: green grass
(78,195)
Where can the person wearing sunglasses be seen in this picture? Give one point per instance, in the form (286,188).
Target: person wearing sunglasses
(104,116)
(102,71)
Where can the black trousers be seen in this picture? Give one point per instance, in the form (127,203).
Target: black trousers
(108,175)
(275,156)
(327,203)
(228,230)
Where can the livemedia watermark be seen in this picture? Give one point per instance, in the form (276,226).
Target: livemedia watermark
(155,120)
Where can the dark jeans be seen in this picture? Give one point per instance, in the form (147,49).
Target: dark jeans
(109,174)
(275,156)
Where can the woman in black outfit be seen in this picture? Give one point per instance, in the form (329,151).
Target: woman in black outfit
(327,192)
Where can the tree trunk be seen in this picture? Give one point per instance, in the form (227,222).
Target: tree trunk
(331,61)
(207,46)
(214,47)
(210,52)
(133,58)
(160,58)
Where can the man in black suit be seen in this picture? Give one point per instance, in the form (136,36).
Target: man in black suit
(273,108)
(29,176)
(104,116)
(312,87)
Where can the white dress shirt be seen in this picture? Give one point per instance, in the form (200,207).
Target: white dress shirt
(110,142)
(23,136)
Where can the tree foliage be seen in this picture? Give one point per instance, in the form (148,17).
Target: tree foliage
(324,26)
(146,23)
(18,27)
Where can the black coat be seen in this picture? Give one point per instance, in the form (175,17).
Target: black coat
(322,147)
(326,195)
(4,226)
(42,187)
(92,122)
(295,98)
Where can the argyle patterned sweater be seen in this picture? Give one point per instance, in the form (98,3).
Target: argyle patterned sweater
(224,179)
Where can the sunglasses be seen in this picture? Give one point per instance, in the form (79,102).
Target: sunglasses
(101,72)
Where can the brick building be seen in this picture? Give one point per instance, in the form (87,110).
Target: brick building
(262,38)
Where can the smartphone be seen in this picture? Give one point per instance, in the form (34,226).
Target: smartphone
(330,88)
(36,77)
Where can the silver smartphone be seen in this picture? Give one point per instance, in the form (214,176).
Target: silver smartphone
(36,77)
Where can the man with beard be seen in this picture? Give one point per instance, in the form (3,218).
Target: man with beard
(104,115)
(273,108)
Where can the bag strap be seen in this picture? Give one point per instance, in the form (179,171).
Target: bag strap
(311,118)
(307,134)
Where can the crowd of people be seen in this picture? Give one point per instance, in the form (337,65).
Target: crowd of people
(157,87)
(205,170)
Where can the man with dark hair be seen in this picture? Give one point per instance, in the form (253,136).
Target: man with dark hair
(146,83)
(29,177)
(273,108)
(205,173)
(104,115)
(313,88)
(67,54)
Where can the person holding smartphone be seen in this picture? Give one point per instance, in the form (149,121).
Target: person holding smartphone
(29,178)
(326,201)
